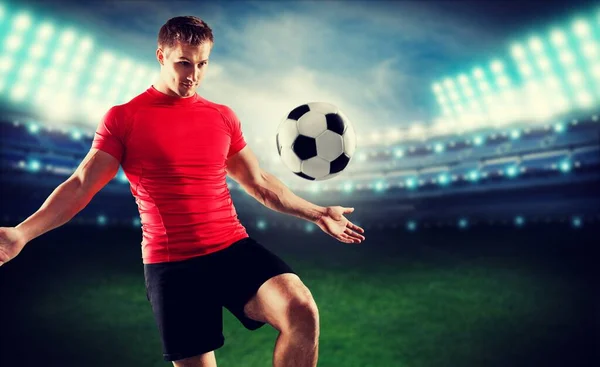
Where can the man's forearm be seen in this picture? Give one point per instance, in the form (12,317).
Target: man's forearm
(60,207)
(273,194)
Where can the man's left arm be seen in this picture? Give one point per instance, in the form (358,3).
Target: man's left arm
(244,168)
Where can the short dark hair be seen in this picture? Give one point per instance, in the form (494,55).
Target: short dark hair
(185,29)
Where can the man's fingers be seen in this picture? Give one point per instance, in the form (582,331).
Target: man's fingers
(348,210)
(355,227)
(353,234)
(345,238)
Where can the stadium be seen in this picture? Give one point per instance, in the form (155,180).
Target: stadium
(482,224)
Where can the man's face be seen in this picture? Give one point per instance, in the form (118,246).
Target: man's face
(183,67)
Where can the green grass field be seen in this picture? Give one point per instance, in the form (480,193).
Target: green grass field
(415,305)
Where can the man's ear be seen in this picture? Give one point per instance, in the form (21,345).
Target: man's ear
(160,56)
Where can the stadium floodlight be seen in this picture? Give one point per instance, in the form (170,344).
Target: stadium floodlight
(558,38)
(309,227)
(22,21)
(462,78)
(5,63)
(75,135)
(576,222)
(411,183)
(34,165)
(535,43)
(576,78)
(411,225)
(379,186)
(478,140)
(544,63)
(566,57)
(67,37)
(590,50)
(136,222)
(503,81)
(28,71)
(559,127)
(37,51)
(596,70)
(261,224)
(497,66)
(437,88)
(449,84)
(525,69)
(122,177)
(398,153)
(478,72)
(86,44)
(59,57)
(13,42)
(439,147)
(519,221)
(45,31)
(347,187)
(101,220)
(484,86)
(518,51)
(512,171)
(18,93)
(584,99)
(565,166)
(581,28)
(463,223)
(443,179)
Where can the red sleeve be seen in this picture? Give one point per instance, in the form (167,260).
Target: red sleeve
(237,137)
(108,136)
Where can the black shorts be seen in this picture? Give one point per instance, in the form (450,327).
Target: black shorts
(188,296)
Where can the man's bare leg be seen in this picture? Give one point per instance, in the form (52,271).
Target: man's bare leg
(202,360)
(285,303)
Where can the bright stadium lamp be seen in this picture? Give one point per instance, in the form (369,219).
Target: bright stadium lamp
(518,51)
(558,38)
(5,63)
(478,72)
(590,50)
(67,37)
(37,51)
(566,57)
(13,42)
(22,22)
(584,99)
(535,43)
(45,31)
(581,28)
(86,44)
(497,66)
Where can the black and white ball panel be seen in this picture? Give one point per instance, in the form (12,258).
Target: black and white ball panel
(305,147)
(312,124)
(329,145)
(315,167)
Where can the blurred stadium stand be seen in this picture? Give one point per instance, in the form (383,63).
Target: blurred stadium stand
(480,163)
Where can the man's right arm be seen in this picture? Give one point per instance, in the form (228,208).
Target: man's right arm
(70,197)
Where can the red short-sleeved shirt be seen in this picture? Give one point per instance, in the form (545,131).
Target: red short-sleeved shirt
(173,151)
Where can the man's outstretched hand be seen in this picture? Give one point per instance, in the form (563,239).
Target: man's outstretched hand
(337,226)
(11,243)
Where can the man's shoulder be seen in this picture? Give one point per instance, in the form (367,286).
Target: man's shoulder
(224,109)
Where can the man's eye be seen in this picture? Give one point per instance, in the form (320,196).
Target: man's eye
(184,63)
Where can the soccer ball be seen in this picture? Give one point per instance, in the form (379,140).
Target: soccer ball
(316,141)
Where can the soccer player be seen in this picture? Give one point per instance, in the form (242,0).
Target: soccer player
(176,149)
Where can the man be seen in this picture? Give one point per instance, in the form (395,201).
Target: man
(176,149)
